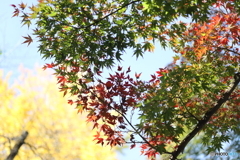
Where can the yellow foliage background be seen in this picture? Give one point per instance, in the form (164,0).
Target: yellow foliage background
(56,131)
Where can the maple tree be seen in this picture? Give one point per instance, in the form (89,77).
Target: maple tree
(197,93)
(33,108)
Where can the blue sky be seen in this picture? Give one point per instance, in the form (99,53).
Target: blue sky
(16,54)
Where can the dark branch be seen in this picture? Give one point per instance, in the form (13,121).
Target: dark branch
(235,52)
(206,117)
(17,146)
(100,19)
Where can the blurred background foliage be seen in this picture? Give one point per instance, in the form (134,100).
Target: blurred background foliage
(56,132)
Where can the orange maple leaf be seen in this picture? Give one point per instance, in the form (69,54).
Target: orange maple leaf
(22,6)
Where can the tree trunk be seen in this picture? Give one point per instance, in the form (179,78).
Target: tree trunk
(19,143)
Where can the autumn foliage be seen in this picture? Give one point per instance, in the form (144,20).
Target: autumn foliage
(197,92)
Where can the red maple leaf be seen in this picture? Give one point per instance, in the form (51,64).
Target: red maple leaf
(28,39)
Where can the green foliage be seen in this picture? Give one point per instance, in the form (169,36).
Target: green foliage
(84,28)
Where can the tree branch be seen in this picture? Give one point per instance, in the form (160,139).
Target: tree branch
(235,52)
(17,146)
(206,117)
(100,19)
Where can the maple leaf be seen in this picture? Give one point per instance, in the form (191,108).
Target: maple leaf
(28,40)
(33,8)
(201,52)
(70,102)
(16,12)
(51,65)
(129,70)
(224,41)
(150,38)
(137,75)
(132,146)
(109,84)
(153,78)
(61,79)
(22,6)
(119,68)
(161,72)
